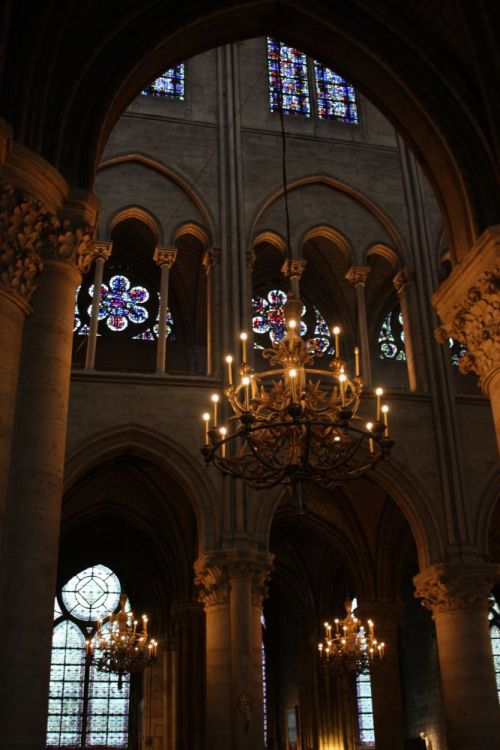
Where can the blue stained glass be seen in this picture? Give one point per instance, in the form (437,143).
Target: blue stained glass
(151,334)
(457,351)
(494,618)
(391,340)
(169,84)
(120,304)
(288,84)
(366,730)
(336,98)
(321,339)
(269,316)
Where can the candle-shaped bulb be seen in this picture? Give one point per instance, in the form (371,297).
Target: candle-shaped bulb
(379,393)
(206,420)
(223,433)
(356,359)
(385,412)
(229,362)
(243,338)
(336,333)
(292,323)
(292,373)
(229,359)
(342,380)
(245,380)
(215,400)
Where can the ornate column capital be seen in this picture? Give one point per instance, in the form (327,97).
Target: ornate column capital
(214,572)
(71,242)
(102,249)
(165,256)
(208,260)
(468,303)
(448,587)
(358,275)
(293,268)
(403,279)
(26,227)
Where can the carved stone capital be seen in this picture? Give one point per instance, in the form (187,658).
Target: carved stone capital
(72,243)
(165,256)
(402,280)
(102,250)
(208,260)
(468,303)
(358,275)
(448,588)
(215,571)
(25,228)
(293,268)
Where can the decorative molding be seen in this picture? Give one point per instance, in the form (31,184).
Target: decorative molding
(448,588)
(293,268)
(25,228)
(468,303)
(72,242)
(215,571)
(402,280)
(102,250)
(358,275)
(212,577)
(165,256)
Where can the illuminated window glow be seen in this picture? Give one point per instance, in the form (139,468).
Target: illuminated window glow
(170,84)
(86,709)
(336,99)
(366,729)
(288,80)
(268,322)
(264,680)
(494,618)
(391,339)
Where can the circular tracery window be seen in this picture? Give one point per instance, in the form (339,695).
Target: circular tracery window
(92,594)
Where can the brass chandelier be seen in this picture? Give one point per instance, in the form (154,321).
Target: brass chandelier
(295,422)
(120,645)
(349,647)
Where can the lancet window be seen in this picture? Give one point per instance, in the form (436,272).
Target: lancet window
(494,619)
(301,86)
(170,84)
(364,701)
(86,708)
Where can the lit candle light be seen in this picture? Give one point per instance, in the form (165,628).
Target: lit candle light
(356,357)
(215,401)
(206,420)
(342,380)
(229,362)
(369,427)
(292,326)
(385,412)
(243,337)
(336,333)
(379,393)
(223,433)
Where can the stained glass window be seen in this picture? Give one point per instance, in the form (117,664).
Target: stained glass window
(264,679)
(366,729)
(335,98)
(288,81)
(126,308)
(391,339)
(86,708)
(494,618)
(170,84)
(457,351)
(269,325)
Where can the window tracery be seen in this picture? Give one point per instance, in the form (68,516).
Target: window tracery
(335,97)
(86,709)
(170,84)
(494,620)
(364,701)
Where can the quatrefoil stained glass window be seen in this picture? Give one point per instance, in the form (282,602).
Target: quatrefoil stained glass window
(86,708)
(269,326)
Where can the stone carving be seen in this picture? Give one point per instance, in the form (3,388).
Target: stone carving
(476,324)
(447,588)
(213,573)
(165,256)
(212,576)
(25,226)
(357,275)
(102,250)
(402,280)
(74,243)
(294,268)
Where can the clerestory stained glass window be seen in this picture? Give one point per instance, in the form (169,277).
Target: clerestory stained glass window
(264,679)
(169,84)
(494,619)
(391,339)
(288,79)
(86,708)
(366,728)
(269,325)
(126,308)
(335,98)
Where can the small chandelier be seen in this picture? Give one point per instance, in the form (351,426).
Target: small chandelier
(295,422)
(119,647)
(350,648)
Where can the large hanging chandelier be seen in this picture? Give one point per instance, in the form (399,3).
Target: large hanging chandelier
(349,647)
(121,645)
(295,422)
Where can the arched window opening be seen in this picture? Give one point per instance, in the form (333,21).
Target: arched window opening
(301,86)
(269,327)
(264,681)
(128,306)
(364,702)
(169,85)
(86,708)
(494,620)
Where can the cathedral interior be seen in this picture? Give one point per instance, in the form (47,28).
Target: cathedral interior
(172,175)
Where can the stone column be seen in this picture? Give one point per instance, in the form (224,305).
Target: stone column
(190,696)
(357,276)
(24,222)
(28,576)
(234,585)
(386,686)
(468,303)
(457,596)
(102,253)
(208,265)
(404,285)
(164,257)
